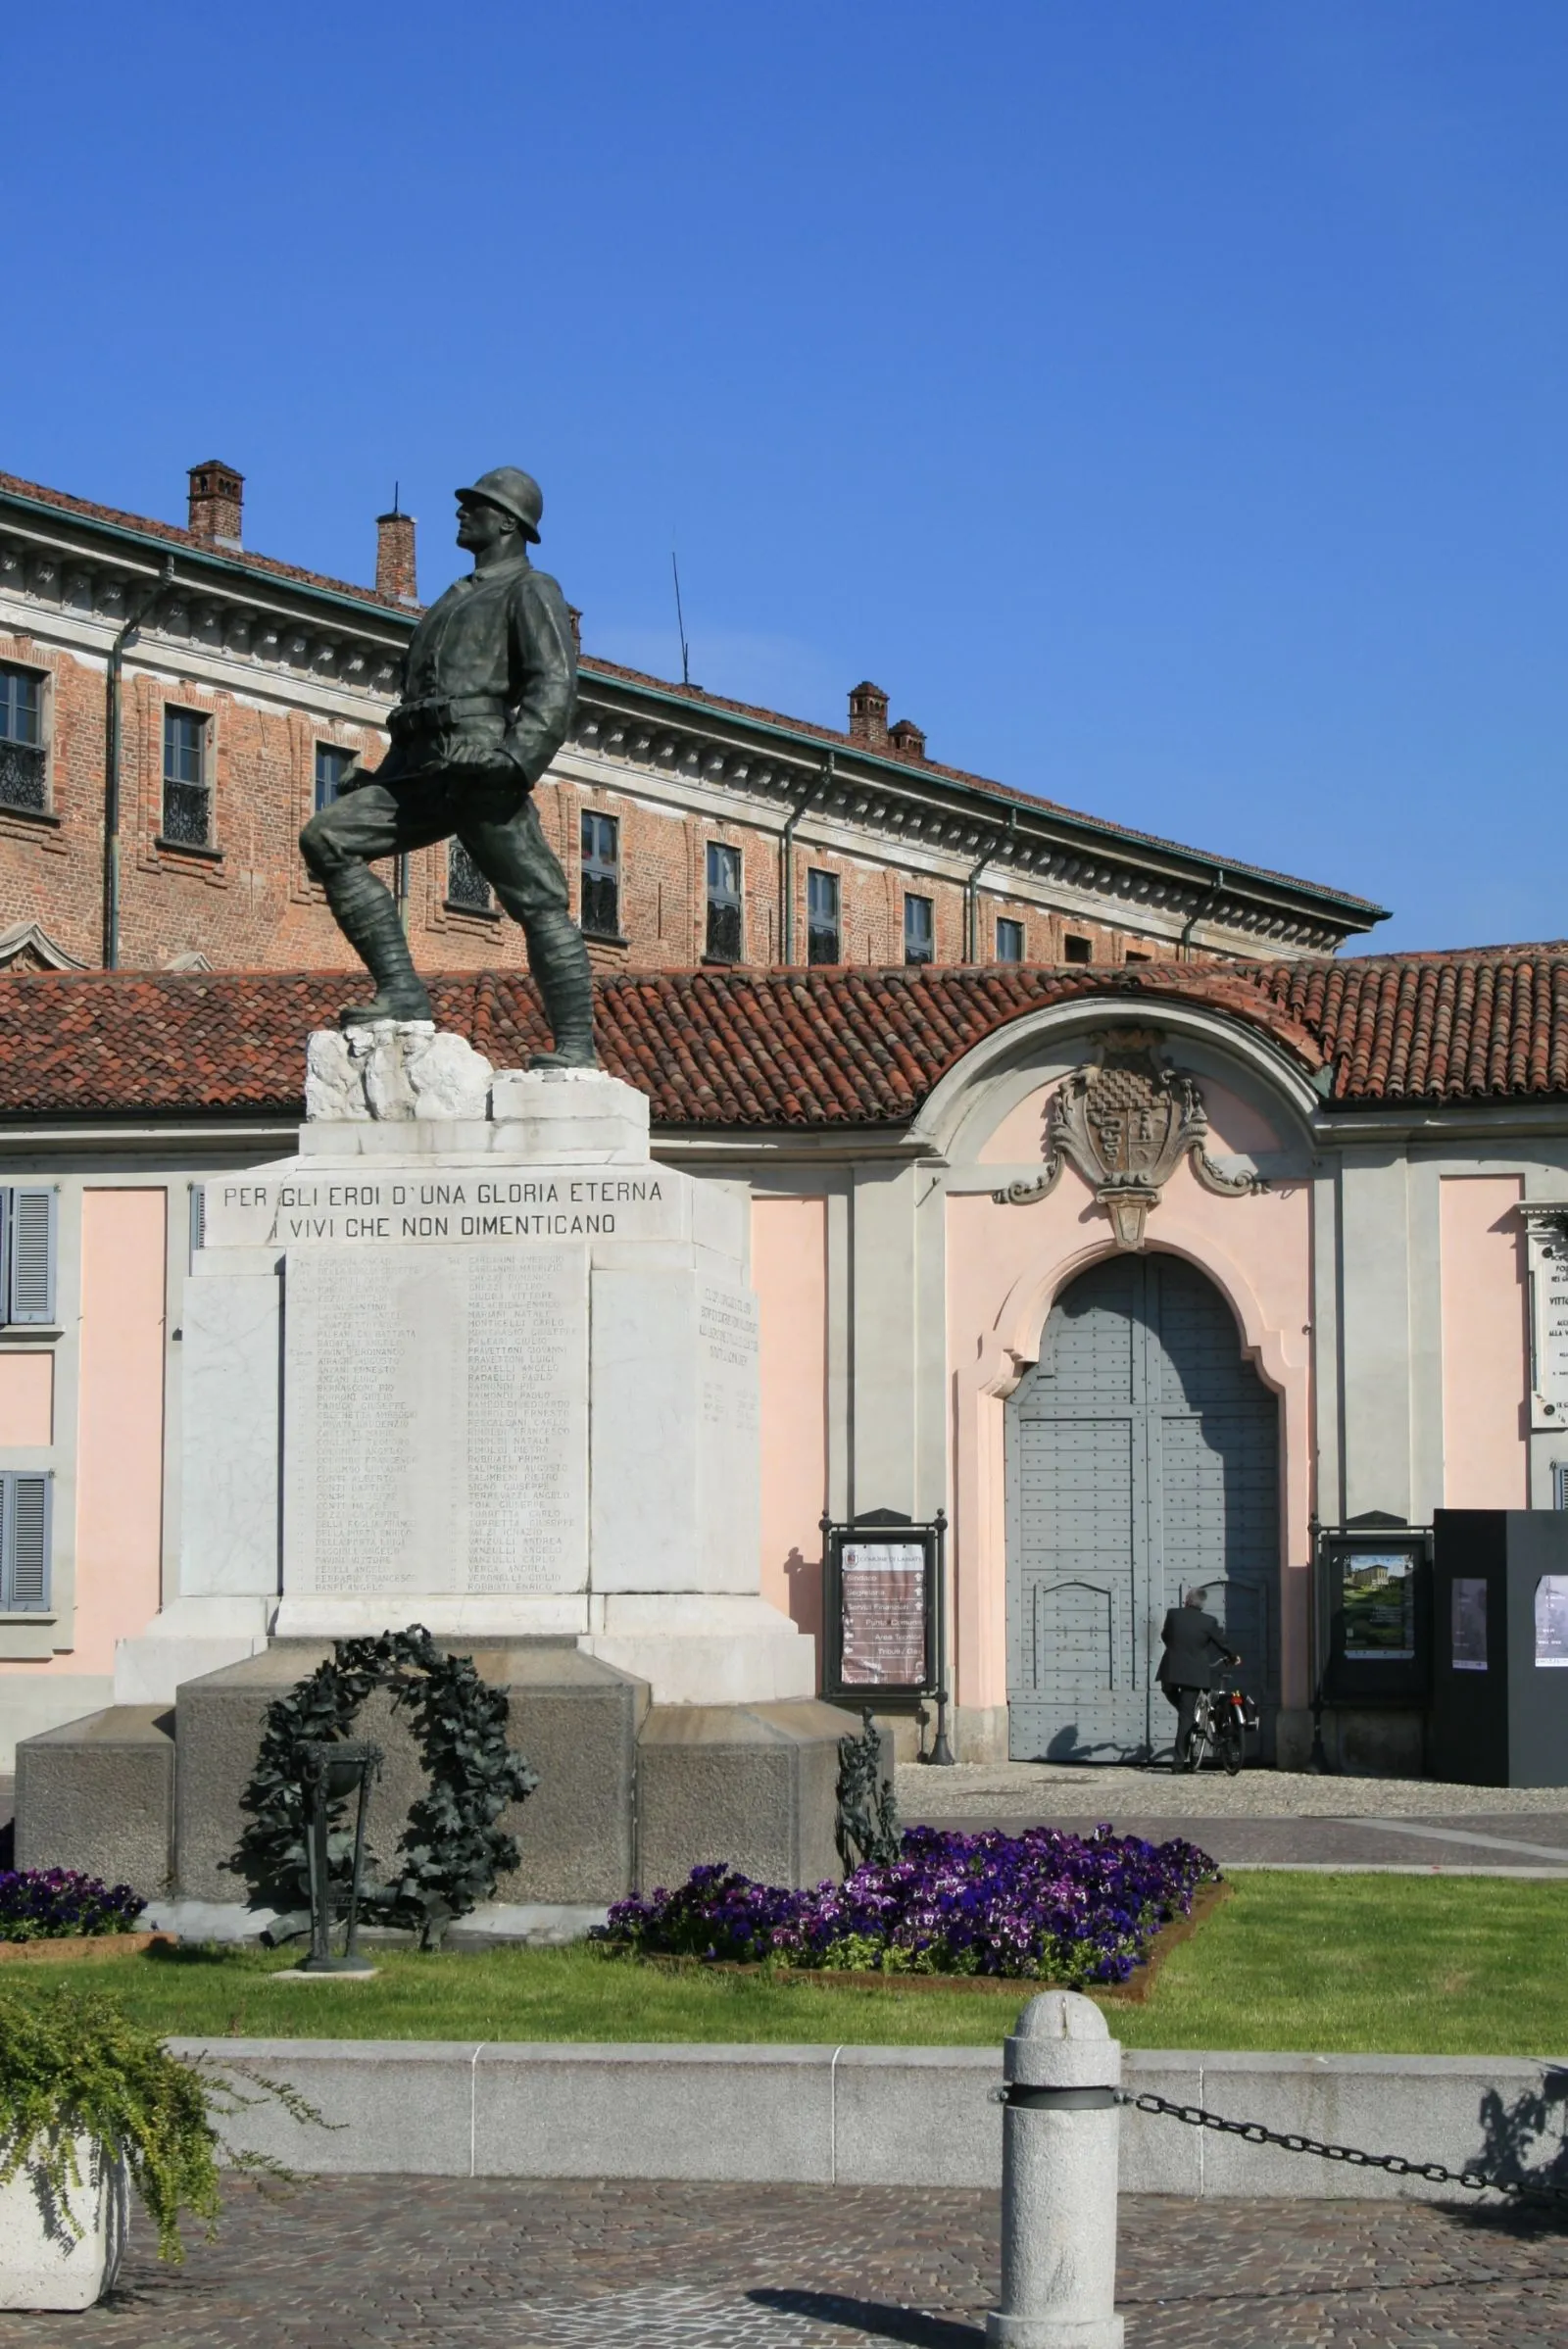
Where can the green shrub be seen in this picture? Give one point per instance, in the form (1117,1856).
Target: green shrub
(72,2063)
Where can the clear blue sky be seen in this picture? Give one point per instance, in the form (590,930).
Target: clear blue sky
(1166,404)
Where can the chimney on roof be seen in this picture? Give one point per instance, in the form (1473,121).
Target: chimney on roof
(907,740)
(868,715)
(395,571)
(216,502)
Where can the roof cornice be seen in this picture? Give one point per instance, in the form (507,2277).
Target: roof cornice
(1015,820)
(245,577)
(1118,870)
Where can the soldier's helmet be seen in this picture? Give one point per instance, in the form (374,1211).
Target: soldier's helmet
(515,493)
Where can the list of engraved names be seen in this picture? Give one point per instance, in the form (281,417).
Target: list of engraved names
(526,1455)
(436,1427)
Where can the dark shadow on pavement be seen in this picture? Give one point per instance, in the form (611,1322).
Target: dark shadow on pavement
(879,2318)
(1525,2144)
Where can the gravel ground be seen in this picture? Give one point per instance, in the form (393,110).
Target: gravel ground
(1050,1790)
(1535,1845)
(489,2264)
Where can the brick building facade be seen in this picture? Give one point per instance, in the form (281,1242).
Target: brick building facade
(173,707)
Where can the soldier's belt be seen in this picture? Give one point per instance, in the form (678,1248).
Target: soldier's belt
(443,710)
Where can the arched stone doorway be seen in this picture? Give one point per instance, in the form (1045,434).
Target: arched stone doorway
(1142,1459)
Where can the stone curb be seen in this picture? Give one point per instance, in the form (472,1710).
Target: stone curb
(874,2115)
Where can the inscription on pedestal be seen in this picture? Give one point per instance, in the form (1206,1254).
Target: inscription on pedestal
(436,1420)
(527,1418)
(727,1342)
(475,1209)
(729,1495)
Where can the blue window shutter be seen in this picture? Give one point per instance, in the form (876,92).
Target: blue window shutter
(31,1269)
(25,1577)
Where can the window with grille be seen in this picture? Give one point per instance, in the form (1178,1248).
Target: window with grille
(724,927)
(24,1524)
(1009,941)
(23,782)
(333,765)
(601,875)
(467,887)
(187,789)
(919,930)
(822,918)
(26,1254)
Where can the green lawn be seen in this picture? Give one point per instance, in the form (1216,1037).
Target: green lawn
(1351,1964)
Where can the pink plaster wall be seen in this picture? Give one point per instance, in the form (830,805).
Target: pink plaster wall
(120,1424)
(1486,1343)
(27,1399)
(1007,1265)
(789,1272)
(1233,1125)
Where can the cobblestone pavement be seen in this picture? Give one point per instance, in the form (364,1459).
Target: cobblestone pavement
(459,2262)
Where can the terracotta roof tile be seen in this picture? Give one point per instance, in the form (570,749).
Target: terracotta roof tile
(786,1048)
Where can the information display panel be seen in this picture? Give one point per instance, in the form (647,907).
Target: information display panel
(1374,1591)
(880,1611)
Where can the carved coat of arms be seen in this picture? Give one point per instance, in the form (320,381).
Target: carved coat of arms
(1126,1120)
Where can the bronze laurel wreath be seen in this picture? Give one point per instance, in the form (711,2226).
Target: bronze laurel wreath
(451,1851)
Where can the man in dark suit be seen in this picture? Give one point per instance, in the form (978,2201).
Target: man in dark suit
(1194,1655)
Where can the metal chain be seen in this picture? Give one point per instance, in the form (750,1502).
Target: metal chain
(1254,2133)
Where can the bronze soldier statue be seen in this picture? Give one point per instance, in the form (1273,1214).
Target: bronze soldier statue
(489,685)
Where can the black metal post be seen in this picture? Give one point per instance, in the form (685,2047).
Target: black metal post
(316,1851)
(351,1938)
(1317,1761)
(941,1753)
(329,1771)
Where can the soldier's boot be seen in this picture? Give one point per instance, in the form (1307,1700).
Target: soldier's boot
(368,919)
(559,961)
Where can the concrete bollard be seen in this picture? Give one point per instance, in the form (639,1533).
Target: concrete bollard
(1060,2143)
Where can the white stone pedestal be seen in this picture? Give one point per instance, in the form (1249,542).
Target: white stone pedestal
(491,1370)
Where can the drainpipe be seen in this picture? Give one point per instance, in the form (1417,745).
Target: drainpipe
(116,654)
(971,897)
(1205,905)
(786,875)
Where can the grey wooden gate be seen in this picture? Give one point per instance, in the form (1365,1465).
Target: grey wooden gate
(1142,1459)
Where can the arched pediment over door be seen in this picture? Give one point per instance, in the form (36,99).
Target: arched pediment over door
(1142,1459)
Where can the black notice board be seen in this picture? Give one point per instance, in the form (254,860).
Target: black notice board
(880,1609)
(1376,1593)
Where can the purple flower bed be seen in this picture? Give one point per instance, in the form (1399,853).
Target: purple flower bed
(1042,1906)
(53,1904)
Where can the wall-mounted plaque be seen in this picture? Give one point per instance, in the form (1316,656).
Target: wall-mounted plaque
(880,1609)
(1547,1228)
(1469,1624)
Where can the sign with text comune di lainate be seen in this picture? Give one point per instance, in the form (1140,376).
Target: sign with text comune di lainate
(880,1611)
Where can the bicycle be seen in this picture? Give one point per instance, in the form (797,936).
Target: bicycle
(1221,1721)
